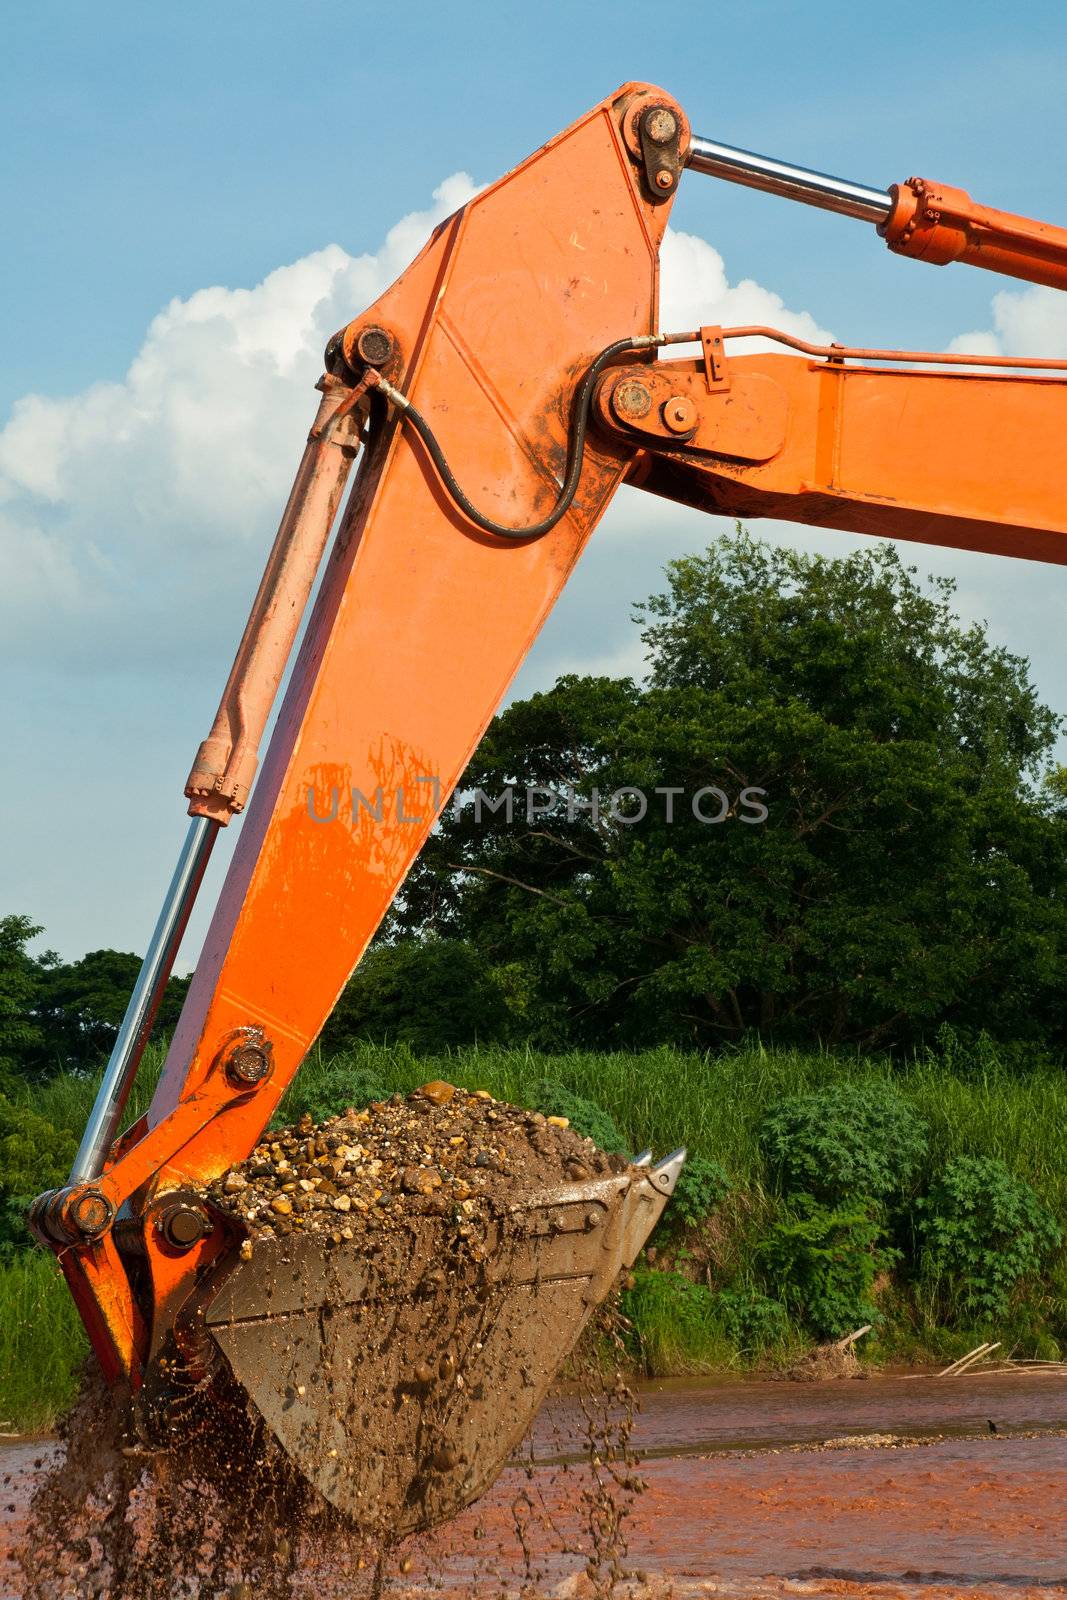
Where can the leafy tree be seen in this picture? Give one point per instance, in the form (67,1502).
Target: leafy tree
(81,1004)
(911,871)
(426,993)
(20,1035)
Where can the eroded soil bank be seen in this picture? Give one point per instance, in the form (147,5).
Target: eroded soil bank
(753,1490)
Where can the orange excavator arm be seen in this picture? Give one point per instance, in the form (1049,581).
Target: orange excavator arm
(501,391)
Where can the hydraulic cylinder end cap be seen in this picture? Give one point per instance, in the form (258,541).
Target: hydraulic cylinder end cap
(70,1216)
(375,346)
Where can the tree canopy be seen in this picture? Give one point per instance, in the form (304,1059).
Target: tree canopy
(56,1014)
(911,869)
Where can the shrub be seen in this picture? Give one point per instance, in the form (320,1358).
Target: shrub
(822,1262)
(674,1323)
(701,1188)
(984,1232)
(844,1140)
(585,1116)
(33,1156)
(751,1321)
(329,1089)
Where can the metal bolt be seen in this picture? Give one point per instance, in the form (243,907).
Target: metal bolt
(664,179)
(680,414)
(631,400)
(246,1058)
(184,1226)
(374,346)
(248,1065)
(661,125)
(91,1213)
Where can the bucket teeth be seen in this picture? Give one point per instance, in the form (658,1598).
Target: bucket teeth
(644,1159)
(666,1174)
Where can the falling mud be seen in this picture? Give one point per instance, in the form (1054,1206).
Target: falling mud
(222,1516)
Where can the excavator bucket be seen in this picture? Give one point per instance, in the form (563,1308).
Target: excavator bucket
(398,1382)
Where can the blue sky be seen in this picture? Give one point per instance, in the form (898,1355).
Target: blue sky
(154,153)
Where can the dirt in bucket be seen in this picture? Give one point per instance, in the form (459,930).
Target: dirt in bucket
(221,1511)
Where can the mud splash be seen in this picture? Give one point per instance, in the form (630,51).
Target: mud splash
(222,1515)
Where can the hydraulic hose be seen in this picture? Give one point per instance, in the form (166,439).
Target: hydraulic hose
(579,426)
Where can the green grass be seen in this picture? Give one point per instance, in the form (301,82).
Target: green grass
(659,1098)
(714,1105)
(42,1343)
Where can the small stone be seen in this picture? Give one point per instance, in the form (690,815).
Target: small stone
(437,1091)
(420,1180)
(576,1172)
(558,1122)
(245,1251)
(482,1094)
(282,1206)
(341,1202)
(234,1182)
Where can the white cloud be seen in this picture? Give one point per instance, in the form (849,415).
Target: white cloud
(130,508)
(695,291)
(1026,322)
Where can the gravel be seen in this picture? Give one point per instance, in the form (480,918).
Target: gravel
(440,1151)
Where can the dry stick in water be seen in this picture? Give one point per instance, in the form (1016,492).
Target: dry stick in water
(979,1353)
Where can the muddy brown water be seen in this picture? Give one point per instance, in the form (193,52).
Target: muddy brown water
(742,1500)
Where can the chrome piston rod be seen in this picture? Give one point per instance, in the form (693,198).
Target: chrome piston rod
(794,183)
(102,1127)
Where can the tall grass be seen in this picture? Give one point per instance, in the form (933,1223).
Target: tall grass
(666,1097)
(42,1343)
(715,1104)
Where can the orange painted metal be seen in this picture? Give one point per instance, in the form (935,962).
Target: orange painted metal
(225,764)
(961,458)
(937,223)
(101,1290)
(422,621)
(746,420)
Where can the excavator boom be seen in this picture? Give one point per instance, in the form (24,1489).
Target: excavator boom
(500,391)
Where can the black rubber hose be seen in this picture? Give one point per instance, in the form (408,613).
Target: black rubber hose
(575,447)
